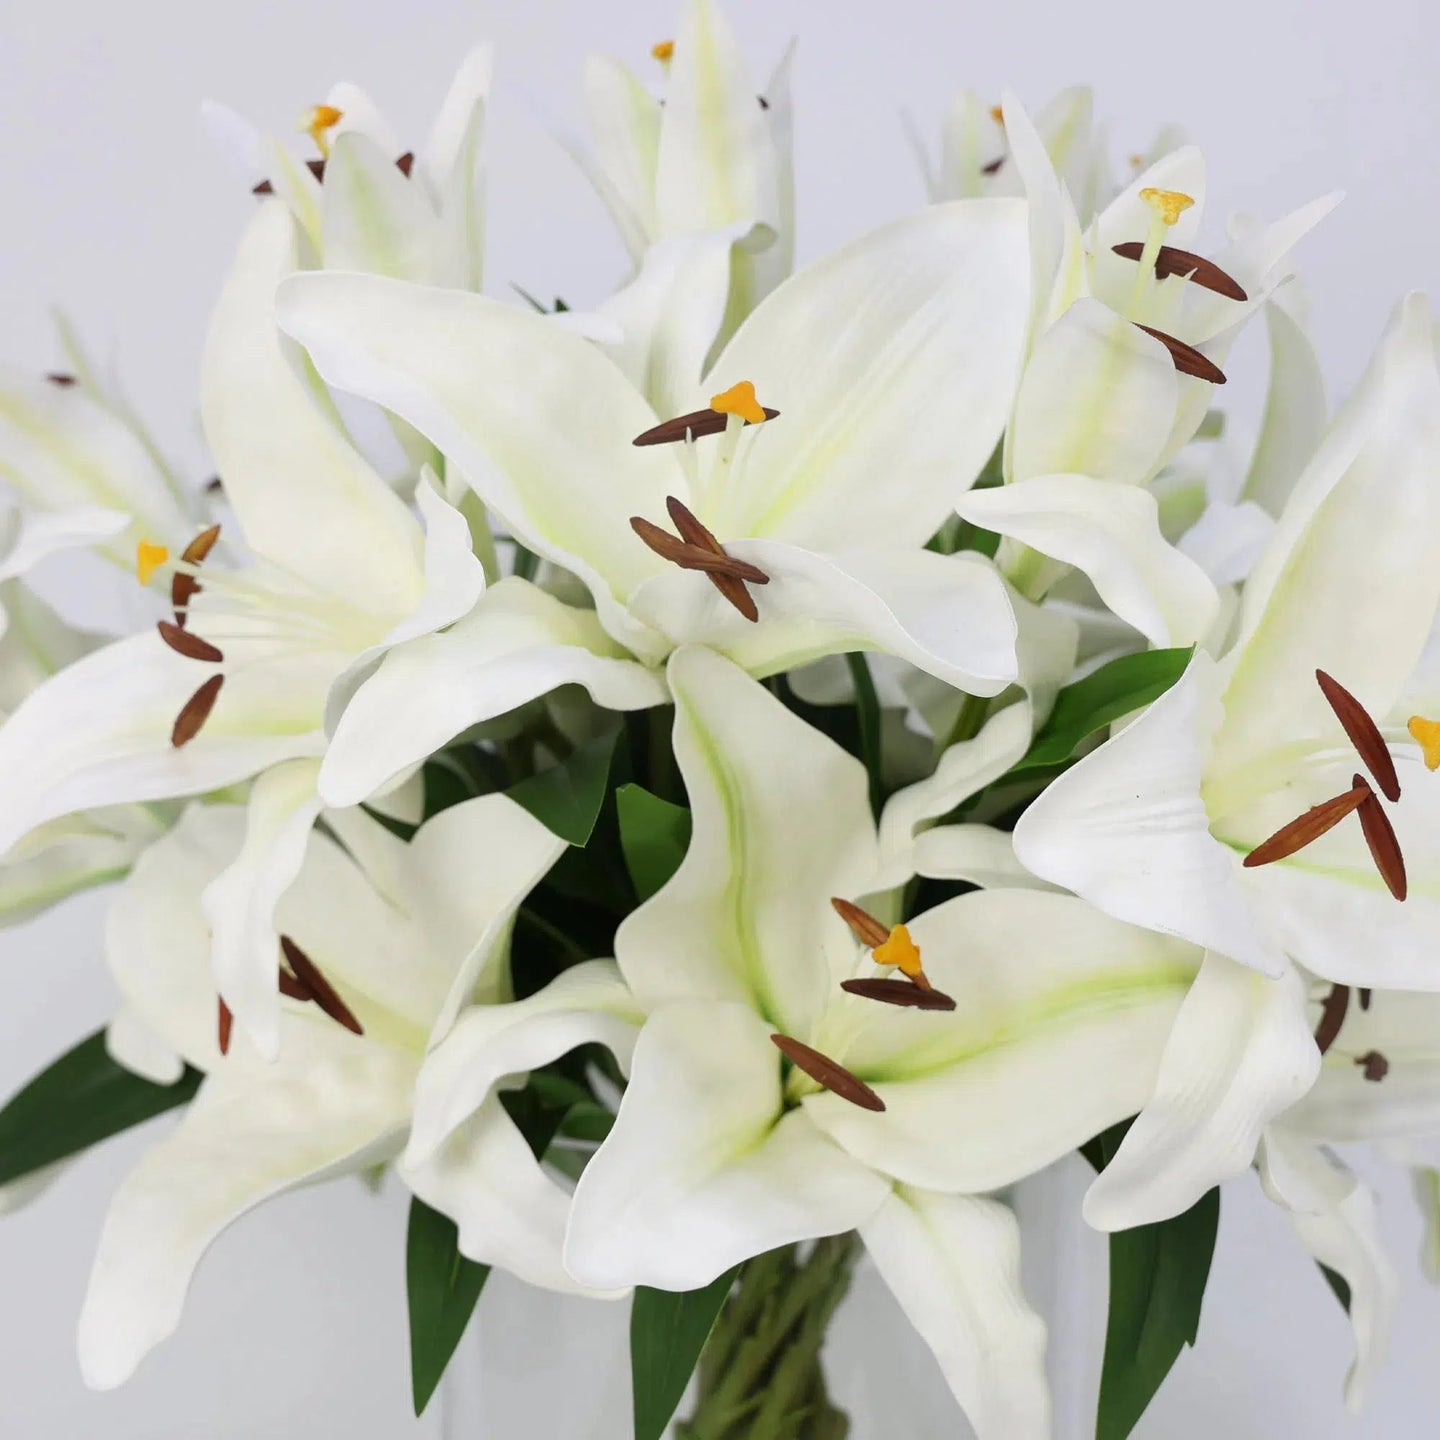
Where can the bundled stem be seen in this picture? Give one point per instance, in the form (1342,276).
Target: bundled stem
(760,1376)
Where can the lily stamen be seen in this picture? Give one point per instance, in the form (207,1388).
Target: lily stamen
(183,585)
(698,549)
(888,944)
(1186,358)
(192,647)
(1384,844)
(317,122)
(1364,734)
(904,993)
(1333,1010)
(712,420)
(1374,1064)
(195,712)
(1315,822)
(225,1023)
(1170,260)
(321,990)
(828,1073)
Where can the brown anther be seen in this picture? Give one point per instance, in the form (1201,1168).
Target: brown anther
(1310,826)
(1196,268)
(1374,1064)
(292,988)
(213,484)
(1332,1017)
(192,647)
(899,992)
(1364,997)
(321,990)
(263,188)
(316,167)
(993,166)
(225,1023)
(824,1071)
(184,588)
(764,103)
(195,712)
(698,549)
(1187,359)
(696,424)
(405,163)
(868,930)
(1384,845)
(1364,734)
(60,378)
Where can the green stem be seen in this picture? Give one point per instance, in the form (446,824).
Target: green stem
(867,714)
(973,710)
(760,1376)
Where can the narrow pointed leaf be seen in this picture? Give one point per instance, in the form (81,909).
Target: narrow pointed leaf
(83,1098)
(1158,1275)
(654,835)
(442,1287)
(567,797)
(1114,690)
(668,1330)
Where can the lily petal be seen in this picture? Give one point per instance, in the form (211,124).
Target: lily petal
(781,823)
(1126,828)
(964,769)
(1098,397)
(868,376)
(1111,533)
(517,644)
(1060,1019)
(1338,551)
(949,615)
(587,1004)
(305,498)
(485,383)
(1334,1216)
(1240,1054)
(98,732)
(702,1168)
(240,902)
(331,1103)
(715,164)
(953,1262)
(625,121)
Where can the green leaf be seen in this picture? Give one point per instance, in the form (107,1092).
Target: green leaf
(1125,684)
(1339,1284)
(654,835)
(442,1287)
(83,1098)
(867,715)
(668,1330)
(567,797)
(1157,1283)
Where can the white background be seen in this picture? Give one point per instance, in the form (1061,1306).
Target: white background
(115,206)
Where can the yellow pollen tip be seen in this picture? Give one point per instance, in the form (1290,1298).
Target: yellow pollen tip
(1427,737)
(149,557)
(318,121)
(899,949)
(739,400)
(663,50)
(997,114)
(1169,205)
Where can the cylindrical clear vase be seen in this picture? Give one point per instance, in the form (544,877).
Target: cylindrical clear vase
(536,1364)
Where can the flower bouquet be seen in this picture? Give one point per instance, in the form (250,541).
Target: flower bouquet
(726,782)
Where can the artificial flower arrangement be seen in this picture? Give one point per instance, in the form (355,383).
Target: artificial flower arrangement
(766,764)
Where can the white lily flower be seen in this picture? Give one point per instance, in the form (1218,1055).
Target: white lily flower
(974,153)
(389,938)
(895,1121)
(715,155)
(1163,825)
(342,573)
(1145,323)
(362,204)
(829,503)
